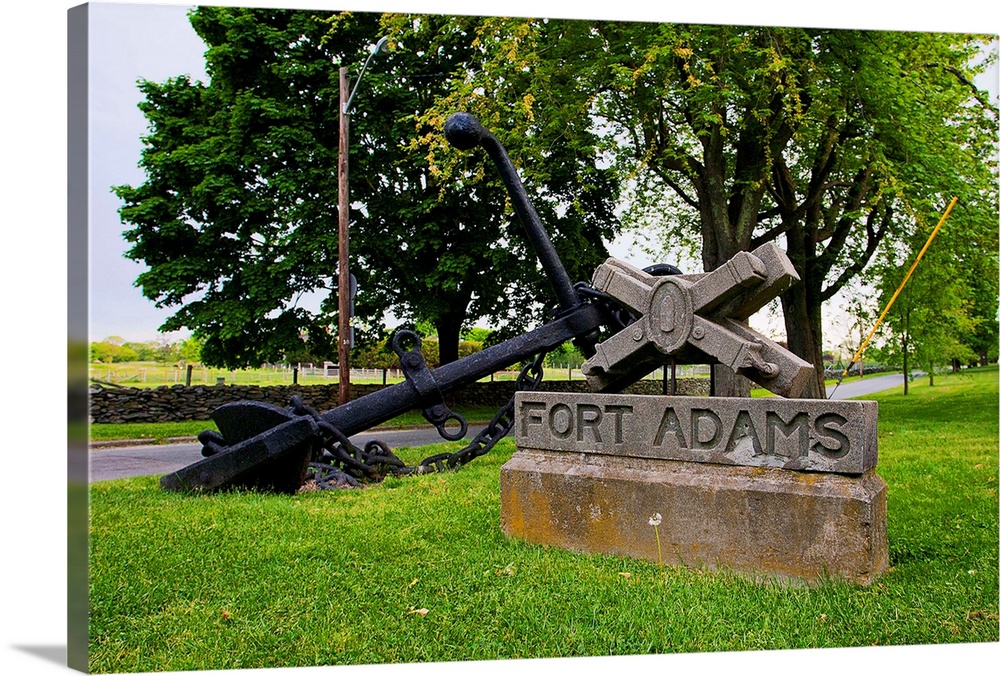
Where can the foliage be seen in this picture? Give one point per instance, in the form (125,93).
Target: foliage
(235,217)
(828,140)
(477,334)
(115,350)
(109,353)
(833,142)
(170,590)
(566,355)
(380,355)
(935,318)
(189,351)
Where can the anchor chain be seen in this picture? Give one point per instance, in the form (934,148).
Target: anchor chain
(338,463)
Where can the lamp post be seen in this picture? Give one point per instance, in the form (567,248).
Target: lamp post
(343,213)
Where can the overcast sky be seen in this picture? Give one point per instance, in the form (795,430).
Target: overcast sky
(33,215)
(128,42)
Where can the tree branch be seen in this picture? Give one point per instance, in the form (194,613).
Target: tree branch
(982,97)
(838,237)
(769,235)
(875,234)
(659,171)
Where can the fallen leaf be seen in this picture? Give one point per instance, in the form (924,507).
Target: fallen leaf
(625,574)
(226,616)
(507,571)
(415,580)
(981,615)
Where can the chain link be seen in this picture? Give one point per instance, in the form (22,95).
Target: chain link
(340,464)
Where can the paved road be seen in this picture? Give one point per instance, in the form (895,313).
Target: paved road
(131,461)
(867,386)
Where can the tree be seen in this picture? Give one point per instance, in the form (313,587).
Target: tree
(235,218)
(461,252)
(935,319)
(103,352)
(214,221)
(827,140)
(189,350)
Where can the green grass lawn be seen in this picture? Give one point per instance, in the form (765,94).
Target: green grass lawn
(416,569)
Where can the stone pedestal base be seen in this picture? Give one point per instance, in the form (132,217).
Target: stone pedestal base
(761,521)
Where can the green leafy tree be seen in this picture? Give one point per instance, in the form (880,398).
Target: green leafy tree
(935,320)
(147,351)
(189,350)
(477,334)
(828,141)
(228,237)
(236,218)
(112,350)
(374,355)
(102,352)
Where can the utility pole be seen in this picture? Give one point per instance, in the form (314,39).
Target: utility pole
(343,213)
(344,276)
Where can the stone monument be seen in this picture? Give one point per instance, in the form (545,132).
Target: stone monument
(770,487)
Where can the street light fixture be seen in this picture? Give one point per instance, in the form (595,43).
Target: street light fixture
(343,208)
(346,108)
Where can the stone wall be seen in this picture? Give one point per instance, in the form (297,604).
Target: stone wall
(179,403)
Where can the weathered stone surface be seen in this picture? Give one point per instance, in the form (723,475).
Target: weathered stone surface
(762,522)
(765,487)
(697,319)
(795,434)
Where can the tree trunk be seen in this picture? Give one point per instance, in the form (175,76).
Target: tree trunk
(804,330)
(729,212)
(906,352)
(727,383)
(802,306)
(906,366)
(860,364)
(717,248)
(449,328)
